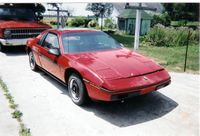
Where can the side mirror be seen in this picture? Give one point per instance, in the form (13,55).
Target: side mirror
(54,51)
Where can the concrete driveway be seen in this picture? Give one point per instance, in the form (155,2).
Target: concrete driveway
(48,110)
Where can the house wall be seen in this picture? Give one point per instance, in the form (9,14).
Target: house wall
(145,26)
(128,26)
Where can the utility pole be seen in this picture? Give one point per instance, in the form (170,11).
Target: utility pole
(58,14)
(137,28)
(138,22)
(102,14)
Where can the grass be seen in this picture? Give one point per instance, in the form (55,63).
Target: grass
(172,58)
(190,23)
(127,40)
(16,113)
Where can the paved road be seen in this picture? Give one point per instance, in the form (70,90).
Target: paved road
(48,110)
(8,125)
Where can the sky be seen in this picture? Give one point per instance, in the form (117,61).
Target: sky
(73,8)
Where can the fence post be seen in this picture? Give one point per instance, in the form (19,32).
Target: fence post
(186,51)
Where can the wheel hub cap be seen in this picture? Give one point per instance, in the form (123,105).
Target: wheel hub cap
(74,89)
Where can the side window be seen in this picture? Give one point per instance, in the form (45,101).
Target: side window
(51,41)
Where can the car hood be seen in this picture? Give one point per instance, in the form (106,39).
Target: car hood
(22,24)
(115,64)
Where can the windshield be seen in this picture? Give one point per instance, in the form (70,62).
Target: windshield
(13,13)
(88,42)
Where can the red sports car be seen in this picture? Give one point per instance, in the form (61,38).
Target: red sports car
(94,65)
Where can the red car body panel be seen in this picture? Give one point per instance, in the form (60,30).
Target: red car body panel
(22,24)
(107,74)
(114,64)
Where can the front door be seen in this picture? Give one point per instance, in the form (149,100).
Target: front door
(49,61)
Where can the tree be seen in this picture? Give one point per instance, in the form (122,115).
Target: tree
(100,10)
(182,11)
(163,19)
(39,10)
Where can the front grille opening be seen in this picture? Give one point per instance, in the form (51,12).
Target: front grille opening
(124,96)
(24,33)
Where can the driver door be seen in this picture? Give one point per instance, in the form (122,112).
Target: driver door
(49,61)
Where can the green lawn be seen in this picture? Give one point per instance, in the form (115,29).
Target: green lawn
(190,23)
(172,58)
(127,40)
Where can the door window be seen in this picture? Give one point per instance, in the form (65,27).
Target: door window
(51,41)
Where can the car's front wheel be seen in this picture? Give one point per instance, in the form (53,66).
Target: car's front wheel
(32,62)
(77,90)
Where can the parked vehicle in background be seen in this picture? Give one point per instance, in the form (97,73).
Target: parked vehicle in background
(17,24)
(94,65)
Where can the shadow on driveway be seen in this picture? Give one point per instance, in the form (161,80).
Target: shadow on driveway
(133,111)
(15,51)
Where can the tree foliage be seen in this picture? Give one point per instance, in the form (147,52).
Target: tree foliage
(182,11)
(163,19)
(100,9)
(109,23)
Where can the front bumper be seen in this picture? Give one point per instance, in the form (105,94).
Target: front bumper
(141,91)
(99,94)
(128,87)
(13,42)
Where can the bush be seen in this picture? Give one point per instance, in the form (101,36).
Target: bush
(169,36)
(79,22)
(54,23)
(92,23)
(156,36)
(108,23)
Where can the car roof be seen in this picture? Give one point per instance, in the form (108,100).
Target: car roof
(69,30)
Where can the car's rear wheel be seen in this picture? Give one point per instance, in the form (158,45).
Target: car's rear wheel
(77,90)
(32,62)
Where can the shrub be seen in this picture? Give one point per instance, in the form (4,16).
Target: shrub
(79,22)
(87,20)
(169,36)
(156,36)
(92,23)
(108,23)
(54,23)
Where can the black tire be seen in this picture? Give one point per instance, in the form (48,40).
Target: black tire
(32,62)
(2,48)
(77,90)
